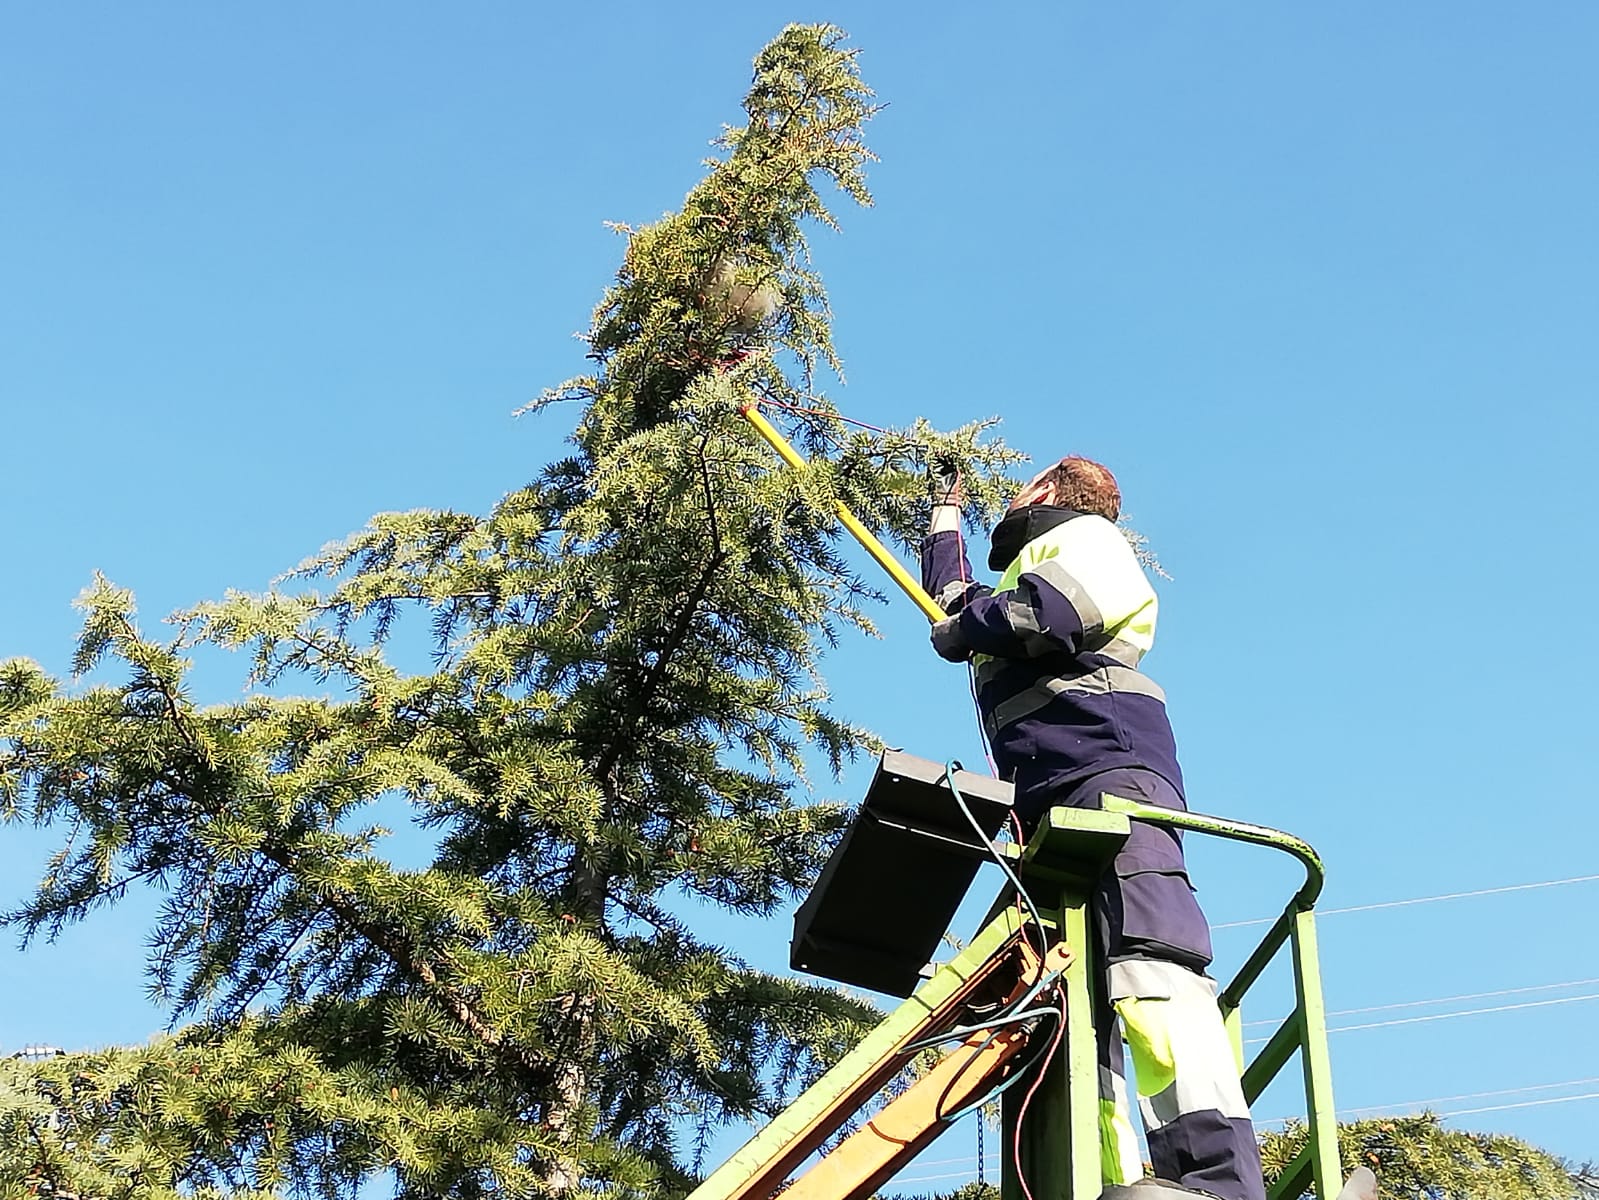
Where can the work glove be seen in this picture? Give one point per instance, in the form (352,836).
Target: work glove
(944,483)
(949,641)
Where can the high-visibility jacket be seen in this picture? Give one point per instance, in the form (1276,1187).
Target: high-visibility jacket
(1057,645)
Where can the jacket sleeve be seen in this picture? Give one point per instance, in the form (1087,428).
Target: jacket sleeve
(1084,589)
(1043,614)
(946,573)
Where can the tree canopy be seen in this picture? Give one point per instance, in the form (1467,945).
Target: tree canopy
(1418,1158)
(621,705)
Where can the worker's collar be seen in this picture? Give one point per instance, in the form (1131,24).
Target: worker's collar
(1021,527)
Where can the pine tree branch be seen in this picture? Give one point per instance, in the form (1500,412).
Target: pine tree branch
(710,499)
(420,969)
(107,889)
(45,1168)
(371,931)
(688,610)
(242,1003)
(168,696)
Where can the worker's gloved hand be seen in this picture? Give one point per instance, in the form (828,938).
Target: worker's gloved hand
(950,642)
(944,483)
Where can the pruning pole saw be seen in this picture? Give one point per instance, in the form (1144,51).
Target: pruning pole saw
(859,532)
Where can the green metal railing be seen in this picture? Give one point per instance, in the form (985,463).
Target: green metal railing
(1058,1139)
(1305,1029)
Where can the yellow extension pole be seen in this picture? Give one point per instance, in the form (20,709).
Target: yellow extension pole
(863,535)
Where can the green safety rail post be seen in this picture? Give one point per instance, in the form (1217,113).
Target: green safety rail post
(1305,1029)
(1053,1126)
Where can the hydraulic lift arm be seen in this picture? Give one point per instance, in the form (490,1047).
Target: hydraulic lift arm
(998,967)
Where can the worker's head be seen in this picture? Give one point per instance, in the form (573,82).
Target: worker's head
(1076,483)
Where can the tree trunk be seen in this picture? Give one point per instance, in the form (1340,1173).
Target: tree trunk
(575,1058)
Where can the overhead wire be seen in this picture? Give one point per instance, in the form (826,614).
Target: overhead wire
(1469,1012)
(1354,908)
(932,1178)
(944,1162)
(1466,1112)
(1388,1109)
(1516,991)
(971,668)
(1515,1091)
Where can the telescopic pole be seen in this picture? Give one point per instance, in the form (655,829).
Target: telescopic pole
(851,522)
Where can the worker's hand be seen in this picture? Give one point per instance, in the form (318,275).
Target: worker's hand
(944,483)
(949,641)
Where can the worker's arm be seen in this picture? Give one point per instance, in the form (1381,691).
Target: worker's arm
(946,573)
(1084,586)
(1037,617)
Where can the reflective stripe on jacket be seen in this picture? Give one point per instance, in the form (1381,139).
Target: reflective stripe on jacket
(1057,647)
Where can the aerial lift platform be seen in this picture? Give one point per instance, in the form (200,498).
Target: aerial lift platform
(1015,1002)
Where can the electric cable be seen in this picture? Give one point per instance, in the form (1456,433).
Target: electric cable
(945,1162)
(964,1031)
(1027,1100)
(1354,908)
(971,667)
(1387,1109)
(1466,1112)
(1016,1077)
(931,1178)
(1468,1012)
(1515,1091)
(1016,1011)
(950,767)
(964,576)
(1516,991)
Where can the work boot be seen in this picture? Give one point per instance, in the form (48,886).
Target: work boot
(1362,1185)
(1152,1189)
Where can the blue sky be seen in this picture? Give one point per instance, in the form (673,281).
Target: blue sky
(1319,282)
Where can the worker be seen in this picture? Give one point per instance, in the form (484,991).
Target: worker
(1055,649)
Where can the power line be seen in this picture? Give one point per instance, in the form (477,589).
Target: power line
(944,1162)
(1493,891)
(931,1178)
(1515,1091)
(1468,1012)
(1430,1101)
(1516,991)
(1466,1112)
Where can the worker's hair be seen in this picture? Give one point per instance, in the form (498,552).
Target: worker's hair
(1085,485)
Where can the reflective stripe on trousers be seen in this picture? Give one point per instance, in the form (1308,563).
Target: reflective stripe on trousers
(1189,1095)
